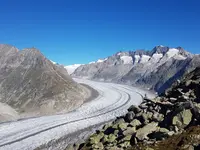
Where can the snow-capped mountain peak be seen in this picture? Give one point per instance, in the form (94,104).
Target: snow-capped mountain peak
(148,68)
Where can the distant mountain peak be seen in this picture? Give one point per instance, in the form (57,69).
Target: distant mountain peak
(153,69)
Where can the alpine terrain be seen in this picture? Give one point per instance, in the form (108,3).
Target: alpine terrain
(31,85)
(155,70)
(169,122)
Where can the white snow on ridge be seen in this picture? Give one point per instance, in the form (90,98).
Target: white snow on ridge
(53,62)
(144,58)
(137,58)
(101,60)
(179,57)
(92,62)
(156,57)
(72,68)
(172,52)
(127,59)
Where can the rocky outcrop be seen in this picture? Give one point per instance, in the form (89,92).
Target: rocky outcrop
(154,120)
(156,69)
(33,85)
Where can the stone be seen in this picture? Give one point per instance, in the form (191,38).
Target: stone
(149,115)
(138,115)
(98,146)
(129,131)
(183,118)
(95,138)
(116,132)
(158,117)
(114,126)
(176,129)
(164,130)
(172,99)
(106,126)
(186,116)
(142,133)
(170,133)
(105,138)
(134,108)
(143,106)
(125,144)
(143,118)
(188,82)
(127,138)
(120,120)
(129,116)
(111,138)
(135,123)
(122,126)
(176,121)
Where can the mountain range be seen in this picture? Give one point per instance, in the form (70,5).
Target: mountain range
(155,70)
(31,85)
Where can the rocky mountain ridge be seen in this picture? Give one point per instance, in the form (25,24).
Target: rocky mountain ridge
(155,70)
(172,119)
(32,85)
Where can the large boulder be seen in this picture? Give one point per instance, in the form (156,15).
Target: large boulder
(129,116)
(135,123)
(182,119)
(134,108)
(142,133)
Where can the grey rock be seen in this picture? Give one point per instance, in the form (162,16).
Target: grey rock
(135,109)
(142,133)
(182,119)
(129,116)
(129,131)
(135,123)
(32,84)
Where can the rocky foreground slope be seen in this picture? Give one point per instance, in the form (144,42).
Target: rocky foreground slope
(156,69)
(32,85)
(170,121)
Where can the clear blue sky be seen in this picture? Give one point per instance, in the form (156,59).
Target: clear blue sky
(80,31)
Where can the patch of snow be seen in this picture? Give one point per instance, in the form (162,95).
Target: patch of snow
(156,57)
(127,59)
(179,57)
(172,52)
(92,62)
(72,68)
(119,54)
(144,58)
(101,60)
(137,58)
(53,62)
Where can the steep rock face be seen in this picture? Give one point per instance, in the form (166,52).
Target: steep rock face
(156,69)
(32,84)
